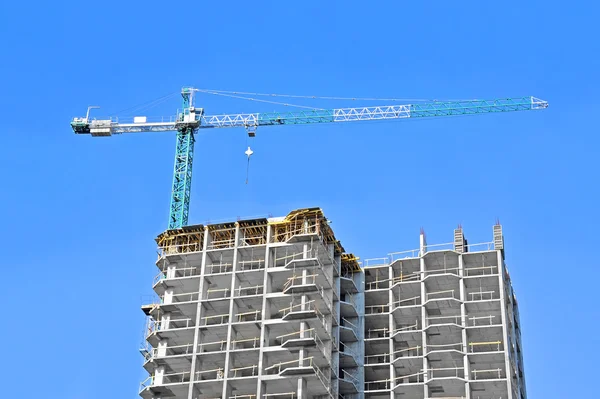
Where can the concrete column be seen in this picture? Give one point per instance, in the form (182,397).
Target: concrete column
(168,297)
(158,375)
(392,328)
(465,321)
(197,331)
(260,387)
(171,272)
(226,388)
(422,243)
(504,323)
(423,318)
(302,392)
(161,348)
(165,321)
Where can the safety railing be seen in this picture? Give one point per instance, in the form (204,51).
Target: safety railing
(245,343)
(346,375)
(277,368)
(217,293)
(242,396)
(478,347)
(444,347)
(252,235)
(195,246)
(481,246)
(482,296)
(374,262)
(254,264)
(295,281)
(148,382)
(254,315)
(246,371)
(414,301)
(307,306)
(413,378)
(175,350)
(476,321)
(399,328)
(374,333)
(445,270)
(490,374)
(247,291)
(179,298)
(446,372)
(377,309)
(219,268)
(437,320)
(446,294)
(175,378)
(386,384)
(171,324)
(215,319)
(348,324)
(349,298)
(160,276)
(282,395)
(480,271)
(208,375)
(380,358)
(180,272)
(406,278)
(281,261)
(409,352)
(222,244)
(411,253)
(377,284)
(309,333)
(307,227)
(216,346)
(378,385)
(325,379)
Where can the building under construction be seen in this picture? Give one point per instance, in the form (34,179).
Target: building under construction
(275,308)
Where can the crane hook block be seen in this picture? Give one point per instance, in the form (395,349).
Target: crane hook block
(251,129)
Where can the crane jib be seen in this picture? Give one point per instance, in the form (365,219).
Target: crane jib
(186,123)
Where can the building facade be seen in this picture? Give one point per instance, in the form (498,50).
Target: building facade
(264,308)
(275,308)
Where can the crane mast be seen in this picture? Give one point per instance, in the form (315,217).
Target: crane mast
(187,122)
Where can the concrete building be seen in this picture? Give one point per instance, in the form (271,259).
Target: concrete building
(275,308)
(442,321)
(264,308)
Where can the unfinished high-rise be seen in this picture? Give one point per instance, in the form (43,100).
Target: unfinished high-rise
(263,308)
(442,321)
(275,308)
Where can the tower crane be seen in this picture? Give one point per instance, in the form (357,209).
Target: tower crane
(190,119)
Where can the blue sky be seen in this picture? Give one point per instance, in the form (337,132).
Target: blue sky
(79,214)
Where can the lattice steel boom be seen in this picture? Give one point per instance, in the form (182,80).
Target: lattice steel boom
(190,119)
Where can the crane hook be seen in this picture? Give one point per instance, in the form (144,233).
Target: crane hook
(248,153)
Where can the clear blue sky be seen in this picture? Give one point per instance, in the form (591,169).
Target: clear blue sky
(79,215)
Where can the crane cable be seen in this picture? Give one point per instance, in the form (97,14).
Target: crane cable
(224,92)
(217,93)
(147,105)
